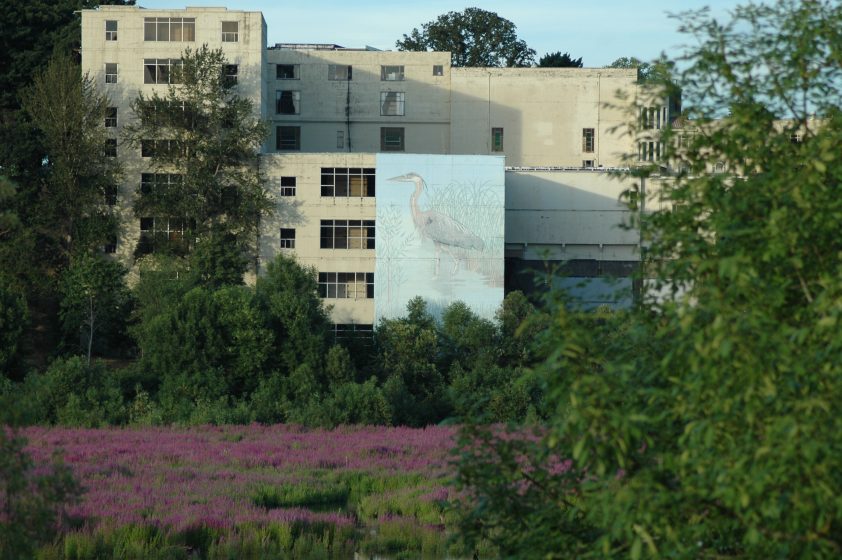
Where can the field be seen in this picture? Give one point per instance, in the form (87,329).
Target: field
(254,492)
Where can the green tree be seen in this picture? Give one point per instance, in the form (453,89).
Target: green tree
(95,304)
(211,138)
(705,424)
(13,318)
(559,60)
(474,37)
(68,110)
(656,72)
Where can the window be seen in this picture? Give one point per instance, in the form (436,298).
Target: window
(287,186)
(230,31)
(287,238)
(587,140)
(392,103)
(352,330)
(353,285)
(169,29)
(287,102)
(287,71)
(111,117)
(110,72)
(347,234)
(111,247)
(496,139)
(438,70)
(391,139)
(344,181)
(338,72)
(587,163)
(156,232)
(288,137)
(157,183)
(229,73)
(110,148)
(391,73)
(111,30)
(796,138)
(159,148)
(340,139)
(110,195)
(160,70)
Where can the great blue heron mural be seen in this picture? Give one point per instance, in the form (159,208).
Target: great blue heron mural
(448,235)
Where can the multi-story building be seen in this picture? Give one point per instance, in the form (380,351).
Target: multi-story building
(543,139)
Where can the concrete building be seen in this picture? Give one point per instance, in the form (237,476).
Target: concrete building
(335,112)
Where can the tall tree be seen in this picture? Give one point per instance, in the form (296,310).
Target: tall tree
(714,429)
(559,60)
(474,37)
(69,111)
(206,139)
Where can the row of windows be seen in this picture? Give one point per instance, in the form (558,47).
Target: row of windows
(392,103)
(388,73)
(653,117)
(649,151)
(164,71)
(351,285)
(337,234)
(288,138)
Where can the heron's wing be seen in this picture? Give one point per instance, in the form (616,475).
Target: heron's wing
(447,231)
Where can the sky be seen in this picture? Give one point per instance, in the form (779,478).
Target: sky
(598,31)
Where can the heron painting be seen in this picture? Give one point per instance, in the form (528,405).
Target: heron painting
(440,232)
(448,235)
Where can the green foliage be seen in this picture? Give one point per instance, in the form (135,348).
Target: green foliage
(558,60)
(474,37)
(705,423)
(95,305)
(215,142)
(218,260)
(13,318)
(33,497)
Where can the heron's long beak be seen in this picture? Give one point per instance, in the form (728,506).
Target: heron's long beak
(403,178)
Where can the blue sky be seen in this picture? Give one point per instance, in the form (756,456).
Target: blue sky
(598,31)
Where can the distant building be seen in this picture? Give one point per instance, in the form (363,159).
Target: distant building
(541,141)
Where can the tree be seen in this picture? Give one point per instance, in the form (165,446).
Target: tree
(95,303)
(13,318)
(656,72)
(710,428)
(474,37)
(211,137)
(558,60)
(68,110)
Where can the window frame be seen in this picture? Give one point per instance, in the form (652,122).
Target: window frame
(110,148)
(111,117)
(295,99)
(289,188)
(335,76)
(399,103)
(296,69)
(397,75)
(347,234)
(295,146)
(497,139)
(438,69)
(398,131)
(230,77)
(159,71)
(111,77)
(111,34)
(231,36)
(340,182)
(287,238)
(588,140)
(346,285)
(171,25)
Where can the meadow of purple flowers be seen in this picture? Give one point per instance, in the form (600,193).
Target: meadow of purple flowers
(348,483)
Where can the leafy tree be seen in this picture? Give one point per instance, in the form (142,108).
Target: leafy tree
(9,220)
(474,37)
(656,72)
(558,60)
(13,319)
(709,427)
(210,135)
(95,304)
(68,110)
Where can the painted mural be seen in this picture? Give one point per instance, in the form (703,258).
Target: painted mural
(439,232)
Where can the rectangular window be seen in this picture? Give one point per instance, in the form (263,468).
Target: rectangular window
(111,247)
(160,70)
(169,29)
(338,72)
(229,72)
(287,102)
(587,140)
(438,70)
(351,285)
(392,103)
(155,184)
(391,139)
(287,238)
(288,137)
(287,71)
(287,186)
(496,139)
(157,232)
(159,148)
(345,181)
(587,163)
(230,31)
(391,73)
(347,234)
(111,30)
(340,139)
(110,148)
(110,195)
(353,330)
(110,72)
(111,117)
